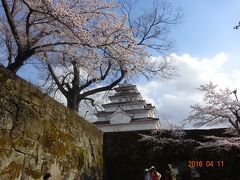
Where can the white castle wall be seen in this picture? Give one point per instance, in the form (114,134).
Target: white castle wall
(130,127)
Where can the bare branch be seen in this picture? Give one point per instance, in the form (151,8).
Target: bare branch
(105,88)
(60,86)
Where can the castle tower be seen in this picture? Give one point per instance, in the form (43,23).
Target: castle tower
(127,111)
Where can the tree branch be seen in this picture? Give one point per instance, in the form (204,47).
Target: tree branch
(11,23)
(60,86)
(89,99)
(105,88)
(103,76)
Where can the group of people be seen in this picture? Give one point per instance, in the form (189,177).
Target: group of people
(151,174)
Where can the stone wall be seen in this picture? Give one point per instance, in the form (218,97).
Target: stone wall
(39,135)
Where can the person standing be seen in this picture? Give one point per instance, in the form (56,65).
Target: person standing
(154,174)
(147,175)
(171,172)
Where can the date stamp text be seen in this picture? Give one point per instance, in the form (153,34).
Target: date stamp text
(208,163)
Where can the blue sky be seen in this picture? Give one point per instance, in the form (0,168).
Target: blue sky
(207,26)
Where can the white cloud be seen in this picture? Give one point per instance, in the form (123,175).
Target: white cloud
(173,97)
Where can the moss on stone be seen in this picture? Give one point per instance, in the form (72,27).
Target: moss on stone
(58,149)
(66,137)
(35,174)
(79,154)
(27,143)
(4,141)
(12,171)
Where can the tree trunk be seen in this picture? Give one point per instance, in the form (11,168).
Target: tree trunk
(14,67)
(19,60)
(73,103)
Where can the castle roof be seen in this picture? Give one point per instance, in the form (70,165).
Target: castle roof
(132,111)
(124,94)
(126,88)
(132,120)
(124,103)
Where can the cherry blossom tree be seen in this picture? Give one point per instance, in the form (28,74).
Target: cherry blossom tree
(114,54)
(29,28)
(120,51)
(220,106)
